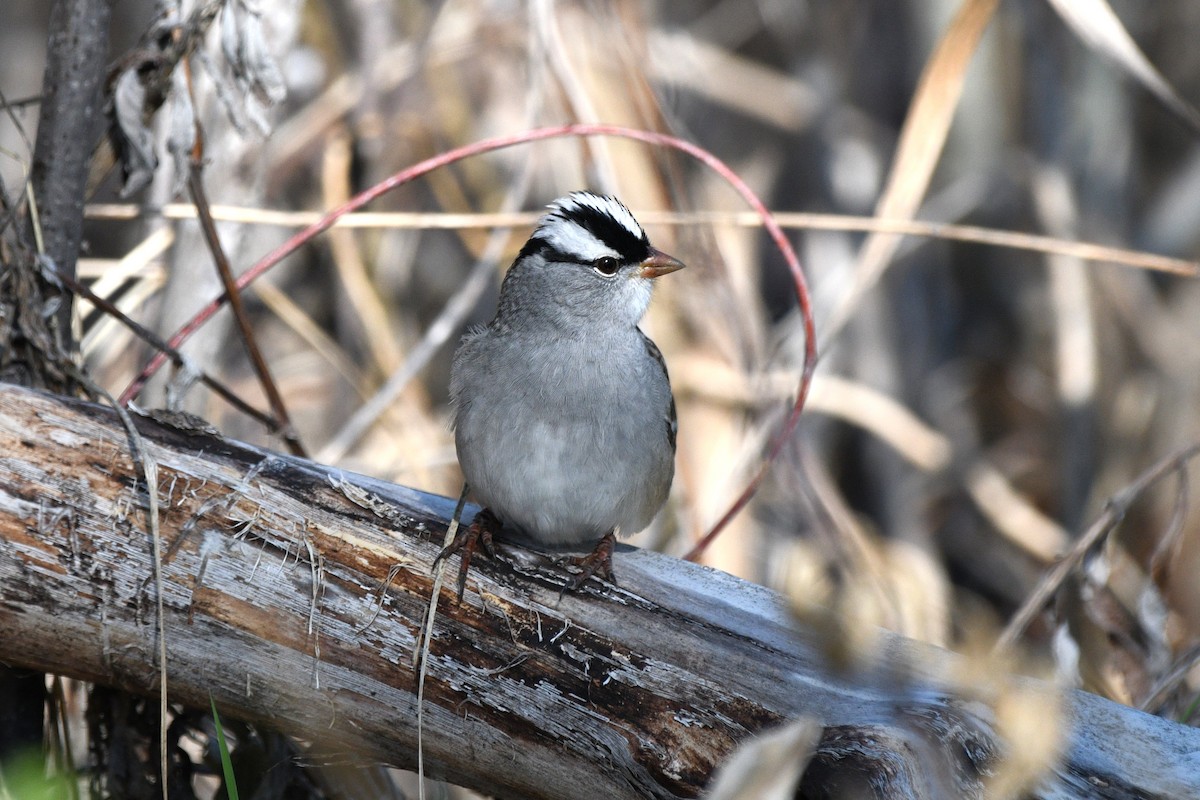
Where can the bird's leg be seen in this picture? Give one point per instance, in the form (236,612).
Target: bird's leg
(467,540)
(597,563)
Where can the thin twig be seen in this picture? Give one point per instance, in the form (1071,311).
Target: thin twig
(421,647)
(278,409)
(177,358)
(21,102)
(1162,558)
(1170,680)
(11,209)
(1112,515)
(789,220)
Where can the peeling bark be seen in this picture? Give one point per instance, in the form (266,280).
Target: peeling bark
(294,593)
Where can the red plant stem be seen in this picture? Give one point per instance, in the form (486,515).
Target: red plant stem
(498,143)
(240,316)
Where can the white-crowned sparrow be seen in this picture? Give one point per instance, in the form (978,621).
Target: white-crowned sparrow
(563,416)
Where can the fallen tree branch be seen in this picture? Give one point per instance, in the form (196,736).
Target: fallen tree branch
(294,593)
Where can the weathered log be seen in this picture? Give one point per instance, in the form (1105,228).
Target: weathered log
(294,594)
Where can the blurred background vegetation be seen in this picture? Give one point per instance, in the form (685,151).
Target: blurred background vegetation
(977,405)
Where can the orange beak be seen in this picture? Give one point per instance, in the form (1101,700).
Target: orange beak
(658,264)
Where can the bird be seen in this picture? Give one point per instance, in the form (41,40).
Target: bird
(564,420)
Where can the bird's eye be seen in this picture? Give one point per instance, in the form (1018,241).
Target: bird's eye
(606,265)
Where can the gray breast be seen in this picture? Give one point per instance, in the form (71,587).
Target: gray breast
(566,441)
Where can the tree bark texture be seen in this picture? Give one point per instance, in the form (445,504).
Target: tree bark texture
(294,594)
(72,116)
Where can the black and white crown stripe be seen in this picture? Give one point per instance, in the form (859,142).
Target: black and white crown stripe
(584,227)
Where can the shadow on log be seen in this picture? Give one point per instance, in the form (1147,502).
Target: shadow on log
(294,594)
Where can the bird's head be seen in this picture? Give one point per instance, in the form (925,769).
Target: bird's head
(587,257)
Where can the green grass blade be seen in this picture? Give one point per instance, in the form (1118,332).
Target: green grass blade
(226,762)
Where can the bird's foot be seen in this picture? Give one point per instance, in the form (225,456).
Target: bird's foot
(597,563)
(467,541)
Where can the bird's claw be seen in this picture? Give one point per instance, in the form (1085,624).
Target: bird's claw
(597,563)
(467,541)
